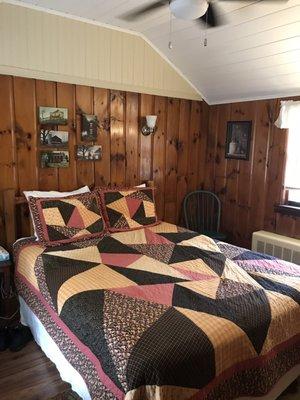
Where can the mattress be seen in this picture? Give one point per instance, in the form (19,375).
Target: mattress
(165,313)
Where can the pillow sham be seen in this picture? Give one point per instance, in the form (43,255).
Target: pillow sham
(51,193)
(67,219)
(128,209)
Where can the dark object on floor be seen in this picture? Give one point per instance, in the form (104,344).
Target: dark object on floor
(67,395)
(20,336)
(202,213)
(4,339)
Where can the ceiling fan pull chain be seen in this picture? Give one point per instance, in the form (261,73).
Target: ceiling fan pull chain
(170,45)
(205,31)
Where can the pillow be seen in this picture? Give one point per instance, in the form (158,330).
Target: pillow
(52,193)
(67,219)
(128,209)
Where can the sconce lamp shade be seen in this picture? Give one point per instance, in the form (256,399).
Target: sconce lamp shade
(151,121)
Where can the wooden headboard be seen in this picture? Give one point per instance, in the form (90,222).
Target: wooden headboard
(11,204)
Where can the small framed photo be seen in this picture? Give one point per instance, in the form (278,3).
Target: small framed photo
(53,116)
(54,138)
(54,159)
(238,140)
(89,127)
(88,153)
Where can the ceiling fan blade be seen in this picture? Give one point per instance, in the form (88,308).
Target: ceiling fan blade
(210,17)
(140,11)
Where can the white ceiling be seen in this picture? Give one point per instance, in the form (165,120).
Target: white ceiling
(256,54)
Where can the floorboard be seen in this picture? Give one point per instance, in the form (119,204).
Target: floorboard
(29,375)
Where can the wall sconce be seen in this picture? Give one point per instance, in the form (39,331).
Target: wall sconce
(150,125)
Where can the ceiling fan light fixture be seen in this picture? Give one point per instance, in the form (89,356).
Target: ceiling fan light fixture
(188,9)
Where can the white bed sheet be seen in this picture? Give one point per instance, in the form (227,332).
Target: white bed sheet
(52,351)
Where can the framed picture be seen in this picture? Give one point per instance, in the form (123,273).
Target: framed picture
(238,140)
(89,127)
(54,159)
(53,116)
(88,153)
(54,138)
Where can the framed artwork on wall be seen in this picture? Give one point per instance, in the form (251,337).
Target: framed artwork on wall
(49,138)
(53,116)
(88,153)
(238,139)
(89,127)
(54,159)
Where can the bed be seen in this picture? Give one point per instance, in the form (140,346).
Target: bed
(162,313)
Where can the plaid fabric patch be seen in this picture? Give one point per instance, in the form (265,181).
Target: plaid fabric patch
(62,220)
(128,209)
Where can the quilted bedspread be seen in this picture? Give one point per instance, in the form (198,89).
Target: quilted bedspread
(163,313)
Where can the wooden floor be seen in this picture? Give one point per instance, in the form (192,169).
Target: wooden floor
(30,375)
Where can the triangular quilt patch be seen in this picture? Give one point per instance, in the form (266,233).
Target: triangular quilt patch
(161,294)
(76,220)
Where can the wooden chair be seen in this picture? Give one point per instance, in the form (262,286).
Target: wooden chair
(202,213)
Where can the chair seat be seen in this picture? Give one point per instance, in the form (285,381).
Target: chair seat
(215,235)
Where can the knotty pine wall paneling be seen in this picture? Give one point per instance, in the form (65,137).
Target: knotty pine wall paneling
(171,157)
(249,190)
(185,153)
(8,171)
(65,94)
(84,105)
(159,153)
(171,160)
(102,110)
(46,96)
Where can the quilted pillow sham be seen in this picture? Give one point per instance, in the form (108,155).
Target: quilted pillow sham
(67,219)
(128,209)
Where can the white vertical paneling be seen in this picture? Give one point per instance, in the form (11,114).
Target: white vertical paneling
(139,58)
(33,30)
(5,36)
(91,51)
(128,59)
(79,46)
(158,71)
(51,33)
(18,40)
(46,46)
(64,46)
(103,55)
(116,61)
(149,66)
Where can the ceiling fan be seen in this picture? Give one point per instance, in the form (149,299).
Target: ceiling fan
(204,11)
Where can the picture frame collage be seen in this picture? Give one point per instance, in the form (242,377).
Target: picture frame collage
(54,142)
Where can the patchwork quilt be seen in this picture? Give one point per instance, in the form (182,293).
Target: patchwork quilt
(163,313)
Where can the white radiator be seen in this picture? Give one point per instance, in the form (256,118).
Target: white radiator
(278,246)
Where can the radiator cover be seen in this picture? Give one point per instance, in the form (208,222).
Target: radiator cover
(279,246)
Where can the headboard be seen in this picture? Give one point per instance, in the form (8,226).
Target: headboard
(12,203)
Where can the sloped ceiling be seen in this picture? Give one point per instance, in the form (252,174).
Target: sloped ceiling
(256,54)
